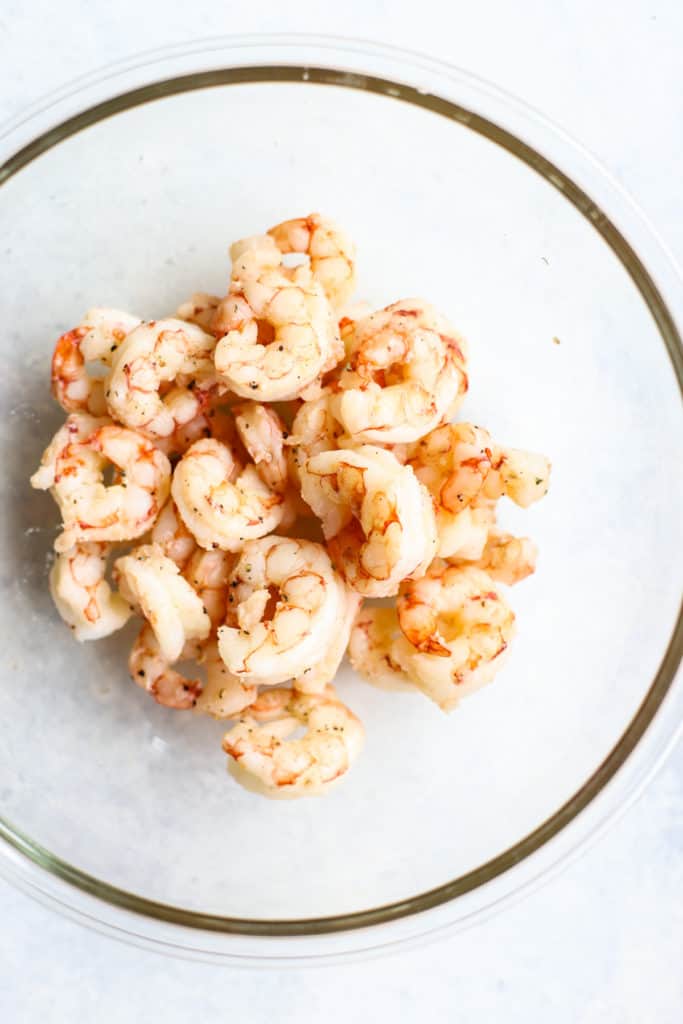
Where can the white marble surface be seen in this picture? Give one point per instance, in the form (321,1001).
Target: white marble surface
(602,942)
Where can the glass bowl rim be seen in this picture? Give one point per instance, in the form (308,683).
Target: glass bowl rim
(341,61)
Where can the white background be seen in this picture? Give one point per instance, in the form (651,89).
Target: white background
(602,942)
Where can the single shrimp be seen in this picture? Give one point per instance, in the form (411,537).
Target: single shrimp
(376,516)
(152,355)
(260,746)
(284,605)
(222,503)
(224,695)
(172,536)
(372,639)
(330,251)
(276,329)
(406,373)
(199,309)
(457,626)
(82,595)
(154,672)
(73,466)
(94,340)
(505,558)
(208,573)
(316,678)
(151,581)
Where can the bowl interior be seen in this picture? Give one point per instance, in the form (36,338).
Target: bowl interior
(137,211)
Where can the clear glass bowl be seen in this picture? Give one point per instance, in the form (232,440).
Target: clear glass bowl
(125,189)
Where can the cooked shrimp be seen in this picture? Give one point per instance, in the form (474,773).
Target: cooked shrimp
(376,516)
(506,558)
(316,678)
(330,251)
(73,468)
(95,339)
(263,434)
(223,504)
(151,670)
(199,309)
(224,695)
(172,536)
(82,595)
(285,603)
(260,746)
(520,475)
(457,626)
(406,373)
(151,355)
(372,639)
(208,573)
(152,582)
(277,330)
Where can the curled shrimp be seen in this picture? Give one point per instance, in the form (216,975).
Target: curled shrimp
(376,516)
(94,340)
(154,672)
(224,695)
(152,355)
(506,558)
(457,626)
(73,466)
(172,536)
(151,581)
(330,251)
(276,765)
(82,595)
(222,503)
(276,329)
(285,603)
(208,573)
(406,373)
(199,309)
(372,640)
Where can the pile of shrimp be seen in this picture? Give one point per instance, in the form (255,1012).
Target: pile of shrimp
(247,477)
